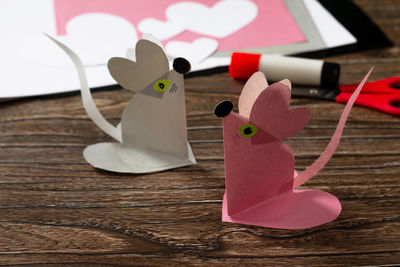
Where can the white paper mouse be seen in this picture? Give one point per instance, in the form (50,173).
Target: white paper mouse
(152,134)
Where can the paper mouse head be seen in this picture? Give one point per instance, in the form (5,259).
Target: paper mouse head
(264,114)
(150,66)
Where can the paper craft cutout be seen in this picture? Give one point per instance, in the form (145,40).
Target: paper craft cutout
(213,21)
(84,34)
(260,177)
(162,30)
(152,134)
(195,52)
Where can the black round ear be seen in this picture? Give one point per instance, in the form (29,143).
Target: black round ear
(223,108)
(181,65)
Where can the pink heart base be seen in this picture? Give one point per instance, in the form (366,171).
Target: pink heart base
(296,209)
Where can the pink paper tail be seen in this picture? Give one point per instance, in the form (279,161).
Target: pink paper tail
(333,144)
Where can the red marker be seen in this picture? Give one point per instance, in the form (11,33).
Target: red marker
(276,68)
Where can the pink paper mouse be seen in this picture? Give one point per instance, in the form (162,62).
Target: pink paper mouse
(260,177)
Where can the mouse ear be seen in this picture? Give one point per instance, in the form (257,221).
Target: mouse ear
(271,112)
(151,56)
(287,83)
(129,74)
(251,90)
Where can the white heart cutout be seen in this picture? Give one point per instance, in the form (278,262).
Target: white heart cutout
(195,52)
(162,30)
(221,20)
(95,37)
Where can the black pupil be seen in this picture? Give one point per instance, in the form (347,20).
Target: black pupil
(247,131)
(161,85)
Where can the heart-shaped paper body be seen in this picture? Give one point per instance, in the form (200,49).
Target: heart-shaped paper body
(151,63)
(298,209)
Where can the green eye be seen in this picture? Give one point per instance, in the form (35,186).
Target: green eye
(161,85)
(248,130)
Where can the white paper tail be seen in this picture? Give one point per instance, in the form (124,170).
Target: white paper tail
(312,170)
(87,99)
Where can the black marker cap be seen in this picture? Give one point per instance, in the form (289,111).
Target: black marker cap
(330,75)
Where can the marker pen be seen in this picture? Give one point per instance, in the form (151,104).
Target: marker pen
(276,68)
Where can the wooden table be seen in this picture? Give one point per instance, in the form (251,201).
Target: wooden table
(56,208)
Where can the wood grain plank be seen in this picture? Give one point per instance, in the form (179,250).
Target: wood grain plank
(55,209)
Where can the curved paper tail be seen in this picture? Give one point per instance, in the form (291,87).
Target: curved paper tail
(333,144)
(87,99)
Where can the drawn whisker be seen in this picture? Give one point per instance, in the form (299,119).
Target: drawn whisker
(235,137)
(173,89)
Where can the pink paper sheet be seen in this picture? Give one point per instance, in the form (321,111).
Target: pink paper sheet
(259,170)
(274,24)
